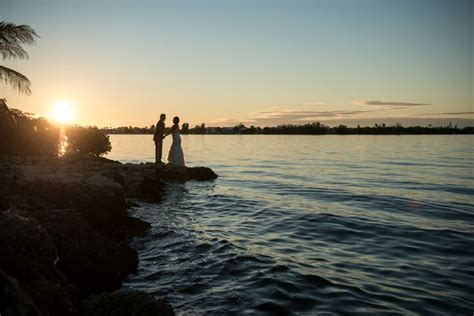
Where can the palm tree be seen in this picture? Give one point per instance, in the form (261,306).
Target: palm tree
(12,38)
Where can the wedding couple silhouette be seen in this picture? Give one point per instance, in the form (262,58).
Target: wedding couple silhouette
(175,155)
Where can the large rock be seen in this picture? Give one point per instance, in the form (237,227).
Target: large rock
(81,158)
(201,173)
(13,300)
(90,183)
(100,200)
(94,262)
(132,227)
(138,180)
(9,175)
(4,204)
(169,172)
(89,237)
(28,255)
(126,303)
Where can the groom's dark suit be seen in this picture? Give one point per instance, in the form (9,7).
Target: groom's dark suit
(158,138)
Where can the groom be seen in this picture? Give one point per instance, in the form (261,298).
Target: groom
(158,138)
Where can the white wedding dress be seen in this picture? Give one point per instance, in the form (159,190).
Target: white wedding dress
(176,155)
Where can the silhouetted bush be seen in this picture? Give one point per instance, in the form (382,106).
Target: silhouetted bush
(88,140)
(29,136)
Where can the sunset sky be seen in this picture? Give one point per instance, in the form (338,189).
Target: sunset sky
(259,62)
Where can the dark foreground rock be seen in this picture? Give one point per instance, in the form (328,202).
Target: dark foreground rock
(13,301)
(4,204)
(168,172)
(126,303)
(94,262)
(100,200)
(28,255)
(64,228)
(92,187)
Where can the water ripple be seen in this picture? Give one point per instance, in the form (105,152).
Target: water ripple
(346,229)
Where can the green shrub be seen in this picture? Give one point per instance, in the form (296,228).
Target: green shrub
(88,140)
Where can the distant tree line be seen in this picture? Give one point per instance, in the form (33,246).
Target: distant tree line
(315,128)
(129,130)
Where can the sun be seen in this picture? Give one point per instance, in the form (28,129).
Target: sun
(62,112)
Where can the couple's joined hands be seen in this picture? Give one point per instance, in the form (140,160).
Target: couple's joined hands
(158,138)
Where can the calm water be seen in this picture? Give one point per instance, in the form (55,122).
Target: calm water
(312,224)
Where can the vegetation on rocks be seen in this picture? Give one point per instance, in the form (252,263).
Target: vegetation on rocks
(32,136)
(29,136)
(88,140)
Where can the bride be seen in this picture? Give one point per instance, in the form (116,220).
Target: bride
(175,156)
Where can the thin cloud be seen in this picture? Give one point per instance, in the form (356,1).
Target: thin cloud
(283,116)
(277,116)
(228,120)
(389,103)
(121,121)
(288,116)
(447,113)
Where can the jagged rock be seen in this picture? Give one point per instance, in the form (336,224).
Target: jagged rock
(169,172)
(77,157)
(95,263)
(140,181)
(131,203)
(9,174)
(100,200)
(133,227)
(13,300)
(4,204)
(126,303)
(91,194)
(90,238)
(150,189)
(29,256)
(115,176)
(201,173)
(77,181)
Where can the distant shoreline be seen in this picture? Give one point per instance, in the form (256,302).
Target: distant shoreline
(236,134)
(315,128)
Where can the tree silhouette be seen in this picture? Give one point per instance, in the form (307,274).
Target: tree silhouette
(12,39)
(185,128)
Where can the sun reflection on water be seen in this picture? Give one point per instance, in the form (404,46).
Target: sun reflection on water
(63,141)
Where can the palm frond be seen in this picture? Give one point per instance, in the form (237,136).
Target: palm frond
(15,79)
(13,37)
(12,51)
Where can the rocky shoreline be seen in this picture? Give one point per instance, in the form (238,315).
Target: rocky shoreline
(64,231)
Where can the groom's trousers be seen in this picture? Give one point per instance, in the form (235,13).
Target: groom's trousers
(158,151)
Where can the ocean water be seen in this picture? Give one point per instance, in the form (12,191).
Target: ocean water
(302,225)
